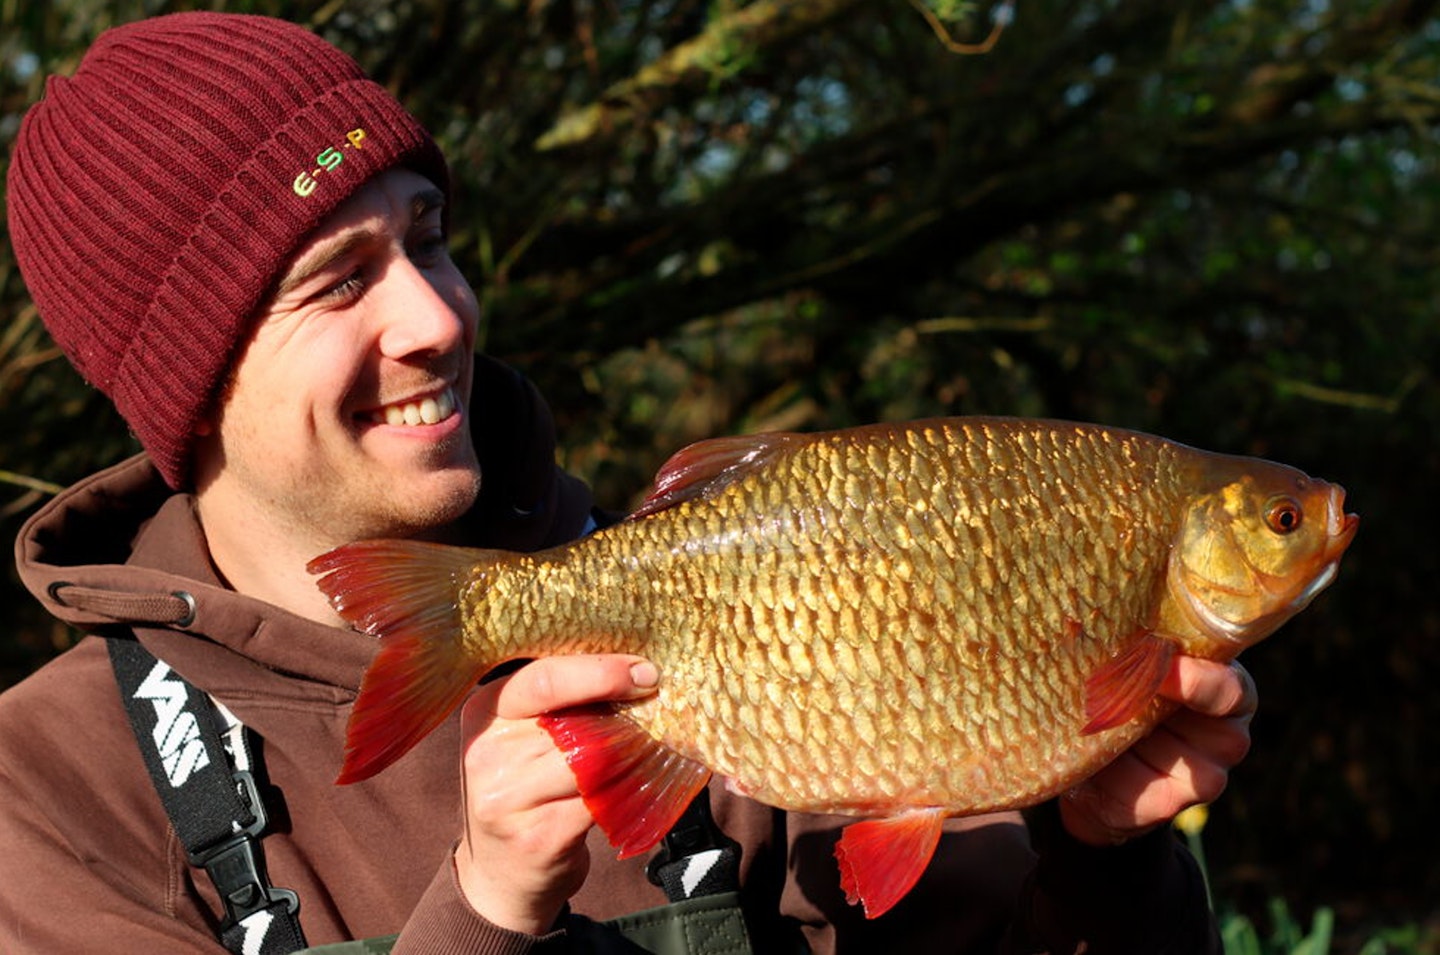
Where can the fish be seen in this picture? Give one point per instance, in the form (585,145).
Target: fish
(900,622)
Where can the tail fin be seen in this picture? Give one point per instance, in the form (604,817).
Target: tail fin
(407,594)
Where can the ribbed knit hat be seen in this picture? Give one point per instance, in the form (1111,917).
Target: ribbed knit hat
(155,196)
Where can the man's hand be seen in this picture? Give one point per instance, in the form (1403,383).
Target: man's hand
(1185,760)
(523,854)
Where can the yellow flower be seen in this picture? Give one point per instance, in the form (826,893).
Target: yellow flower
(1191,821)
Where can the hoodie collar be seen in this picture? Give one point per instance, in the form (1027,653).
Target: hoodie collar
(121,552)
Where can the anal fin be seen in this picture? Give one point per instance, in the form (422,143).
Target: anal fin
(882,859)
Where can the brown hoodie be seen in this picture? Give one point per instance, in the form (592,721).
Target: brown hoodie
(89,863)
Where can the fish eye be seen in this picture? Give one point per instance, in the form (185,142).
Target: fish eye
(1283,515)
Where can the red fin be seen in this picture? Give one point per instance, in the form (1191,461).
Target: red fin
(705,468)
(635,787)
(881,859)
(1121,690)
(405,593)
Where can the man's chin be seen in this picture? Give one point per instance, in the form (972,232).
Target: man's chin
(449,499)
(427,507)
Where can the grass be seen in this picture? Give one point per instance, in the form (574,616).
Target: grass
(1289,935)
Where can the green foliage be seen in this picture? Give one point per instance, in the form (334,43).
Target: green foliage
(1286,936)
(1208,219)
(1406,940)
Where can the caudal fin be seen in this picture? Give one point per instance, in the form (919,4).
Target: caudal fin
(405,593)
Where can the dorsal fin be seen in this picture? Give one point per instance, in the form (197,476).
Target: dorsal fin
(705,468)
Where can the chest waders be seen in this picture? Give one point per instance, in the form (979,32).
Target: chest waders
(203,765)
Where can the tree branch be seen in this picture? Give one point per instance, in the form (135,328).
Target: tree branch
(724,47)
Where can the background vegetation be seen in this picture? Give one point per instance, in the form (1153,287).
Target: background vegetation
(1211,219)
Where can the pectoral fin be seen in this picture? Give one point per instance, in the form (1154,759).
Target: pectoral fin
(1122,689)
(881,859)
(635,787)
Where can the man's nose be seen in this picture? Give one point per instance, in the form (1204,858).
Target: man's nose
(418,317)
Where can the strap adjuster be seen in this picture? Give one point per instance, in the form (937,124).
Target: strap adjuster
(695,832)
(234,865)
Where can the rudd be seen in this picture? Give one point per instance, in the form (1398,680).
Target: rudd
(900,622)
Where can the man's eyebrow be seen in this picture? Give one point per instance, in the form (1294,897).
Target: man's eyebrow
(426,201)
(320,260)
(421,204)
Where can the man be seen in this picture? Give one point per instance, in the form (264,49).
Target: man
(241,241)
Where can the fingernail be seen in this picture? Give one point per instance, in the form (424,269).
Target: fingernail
(644,674)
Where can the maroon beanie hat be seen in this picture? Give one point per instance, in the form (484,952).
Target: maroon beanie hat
(156,195)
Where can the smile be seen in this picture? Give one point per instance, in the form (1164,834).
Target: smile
(429,410)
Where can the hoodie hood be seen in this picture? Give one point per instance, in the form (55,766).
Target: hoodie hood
(120,553)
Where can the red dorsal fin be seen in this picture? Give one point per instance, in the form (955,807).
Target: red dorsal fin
(635,787)
(706,468)
(1121,689)
(404,592)
(881,859)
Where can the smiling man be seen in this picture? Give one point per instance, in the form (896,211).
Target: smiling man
(353,380)
(241,240)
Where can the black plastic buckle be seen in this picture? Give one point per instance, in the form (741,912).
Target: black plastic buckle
(234,864)
(696,832)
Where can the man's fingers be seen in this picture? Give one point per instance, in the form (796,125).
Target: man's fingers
(1144,787)
(557,682)
(517,768)
(1223,690)
(1123,800)
(1193,772)
(1224,741)
(1183,761)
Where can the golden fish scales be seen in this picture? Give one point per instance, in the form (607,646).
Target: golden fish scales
(903,621)
(782,639)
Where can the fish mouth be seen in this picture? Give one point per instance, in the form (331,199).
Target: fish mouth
(1342,526)
(1339,532)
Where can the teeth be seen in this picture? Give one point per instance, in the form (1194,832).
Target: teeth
(426,411)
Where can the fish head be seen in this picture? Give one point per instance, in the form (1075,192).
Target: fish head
(1254,550)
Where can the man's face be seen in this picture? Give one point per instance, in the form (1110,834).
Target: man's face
(346,416)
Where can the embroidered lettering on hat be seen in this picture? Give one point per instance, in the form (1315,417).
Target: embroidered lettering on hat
(328,159)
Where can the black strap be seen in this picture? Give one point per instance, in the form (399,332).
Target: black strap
(696,858)
(216,810)
(214,806)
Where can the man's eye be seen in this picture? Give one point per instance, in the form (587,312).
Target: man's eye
(351,287)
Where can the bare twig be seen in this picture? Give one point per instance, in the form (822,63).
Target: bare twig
(33,484)
(1004,14)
